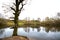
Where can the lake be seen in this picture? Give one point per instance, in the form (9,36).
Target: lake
(41,33)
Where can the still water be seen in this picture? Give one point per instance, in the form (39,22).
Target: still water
(41,33)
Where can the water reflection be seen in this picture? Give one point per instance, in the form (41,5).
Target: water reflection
(6,32)
(52,29)
(41,33)
(28,29)
(1,31)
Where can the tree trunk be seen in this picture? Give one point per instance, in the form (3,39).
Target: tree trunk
(15,31)
(16,25)
(16,18)
(16,14)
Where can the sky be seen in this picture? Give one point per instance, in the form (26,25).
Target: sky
(36,9)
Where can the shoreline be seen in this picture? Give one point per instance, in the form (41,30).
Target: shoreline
(15,38)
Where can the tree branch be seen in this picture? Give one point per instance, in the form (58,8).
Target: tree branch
(13,9)
(20,1)
(21,8)
(14,4)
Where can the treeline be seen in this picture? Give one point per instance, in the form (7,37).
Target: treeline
(51,22)
(5,23)
(33,23)
(36,23)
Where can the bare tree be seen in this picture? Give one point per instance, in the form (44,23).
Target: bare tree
(17,11)
(19,4)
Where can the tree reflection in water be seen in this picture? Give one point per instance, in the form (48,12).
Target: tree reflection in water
(46,29)
(35,32)
(27,29)
(52,29)
(38,29)
(1,31)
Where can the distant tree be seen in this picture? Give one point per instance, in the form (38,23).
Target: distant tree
(1,15)
(47,19)
(38,19)
(58,14)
